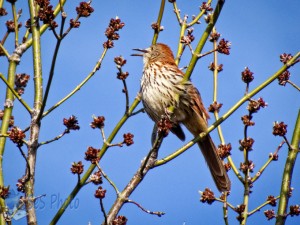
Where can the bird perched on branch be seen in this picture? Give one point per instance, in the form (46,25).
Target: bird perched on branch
(162,88)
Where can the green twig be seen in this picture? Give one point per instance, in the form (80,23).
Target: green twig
(261,206)
(219,128)
(246,179)
(288,174)
(13,5)
(215,88)
(5,123)
(96,67)
(4,50)
(180,47)
(26,106)
(225,209)
(177,13)
(142,110)
(108,179)
(158,21)
(262,169)
(198,17)
(216,112)
(120,144)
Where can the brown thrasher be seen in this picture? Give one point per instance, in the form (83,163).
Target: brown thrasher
(162,86)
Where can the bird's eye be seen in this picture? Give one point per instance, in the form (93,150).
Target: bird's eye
(154,54)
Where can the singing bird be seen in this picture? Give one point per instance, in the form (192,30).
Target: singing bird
(162,86)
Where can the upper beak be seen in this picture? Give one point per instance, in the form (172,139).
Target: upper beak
(140,50)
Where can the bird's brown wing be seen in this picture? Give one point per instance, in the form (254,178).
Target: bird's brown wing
(196,123)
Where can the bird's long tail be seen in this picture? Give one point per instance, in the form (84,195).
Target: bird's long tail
(215,164)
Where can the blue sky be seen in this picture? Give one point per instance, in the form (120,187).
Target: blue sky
(259,31)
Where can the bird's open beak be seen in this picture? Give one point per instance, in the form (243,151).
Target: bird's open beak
(140,50)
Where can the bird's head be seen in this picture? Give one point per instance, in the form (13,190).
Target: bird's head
(157,52)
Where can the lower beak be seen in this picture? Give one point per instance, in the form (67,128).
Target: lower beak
(140,50)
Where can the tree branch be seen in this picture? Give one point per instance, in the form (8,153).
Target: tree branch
(288,174)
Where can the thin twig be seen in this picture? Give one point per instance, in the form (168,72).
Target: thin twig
(177,13)
(158,21)
(216,112)
(262,169)
(15,23)
(247,88)
(261,206)
(55,33)
(50,78)
(125,90)
(156,145)
(206,53)
(159,214)
(225,209)
(142,110)
(26,35)
(96,67)
(294,62)
(4,50)
(293,84)
(228,204)
(4,37)
(69,29)
(180,51)
(106,142)
(181,46)
(247,181)
(288,174)
(108,179)
(27,164)
(198,17)
(66,131)
(287,142)
(103,211)
(63,20)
